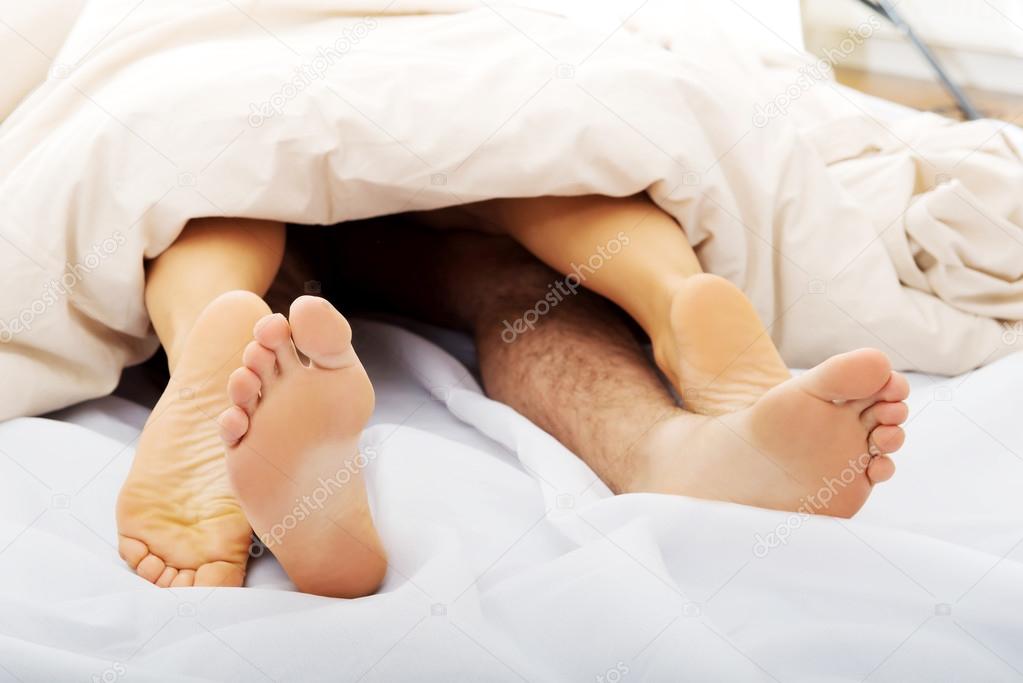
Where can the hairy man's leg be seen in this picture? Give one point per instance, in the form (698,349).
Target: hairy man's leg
(577,372)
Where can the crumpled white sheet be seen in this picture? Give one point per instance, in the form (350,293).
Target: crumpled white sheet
(829,217)
(509,562)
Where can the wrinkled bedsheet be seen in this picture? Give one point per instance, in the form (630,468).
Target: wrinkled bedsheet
(510,561)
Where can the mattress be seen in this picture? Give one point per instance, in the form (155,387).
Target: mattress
(511,561)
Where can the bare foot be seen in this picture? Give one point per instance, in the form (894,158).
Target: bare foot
(715,350)
(293,456)
(178,520)
(813,444)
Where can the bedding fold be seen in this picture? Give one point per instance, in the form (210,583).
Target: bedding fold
(844,228)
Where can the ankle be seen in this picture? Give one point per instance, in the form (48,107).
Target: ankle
(173,341)
(659,297)
(658,447)
(173,327)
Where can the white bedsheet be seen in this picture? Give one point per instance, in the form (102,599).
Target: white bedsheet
(510,563)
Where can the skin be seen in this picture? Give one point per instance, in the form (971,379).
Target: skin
(184,512)
(580,374)
(631,252)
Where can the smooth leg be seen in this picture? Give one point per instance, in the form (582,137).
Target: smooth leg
(630,251)
(626,248)
(210,257)
(179,522)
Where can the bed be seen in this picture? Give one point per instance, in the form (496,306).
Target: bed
(511,561)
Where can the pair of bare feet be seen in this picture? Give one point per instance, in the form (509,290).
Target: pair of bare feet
(279,451)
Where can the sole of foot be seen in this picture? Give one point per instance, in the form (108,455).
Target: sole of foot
(292,438)
(178,520)
(714,349)
(815,444)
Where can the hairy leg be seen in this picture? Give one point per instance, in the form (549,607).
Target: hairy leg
(474,283)
(630,251)
(179,522)
(580,375)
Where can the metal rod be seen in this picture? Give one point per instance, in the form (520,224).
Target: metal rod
(886,9)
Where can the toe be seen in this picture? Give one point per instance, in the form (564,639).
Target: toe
(896,389)
(884,414)
(234,422)
(880,469)
(150,568)
(887,439)
(274,333)
(262,362)
(321,332)
(848,376)
(222,574)
(184,579)
(167,577)
(131,550)
(243,389)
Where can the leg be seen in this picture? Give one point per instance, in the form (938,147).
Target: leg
(179,523)
(581,376)
(630,251)
(475,283)
(212,256)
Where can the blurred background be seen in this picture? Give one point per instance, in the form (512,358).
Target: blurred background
(979,42)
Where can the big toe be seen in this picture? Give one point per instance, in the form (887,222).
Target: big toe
(321,332)
(849,376)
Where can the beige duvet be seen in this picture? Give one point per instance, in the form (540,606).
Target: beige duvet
(845,228)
